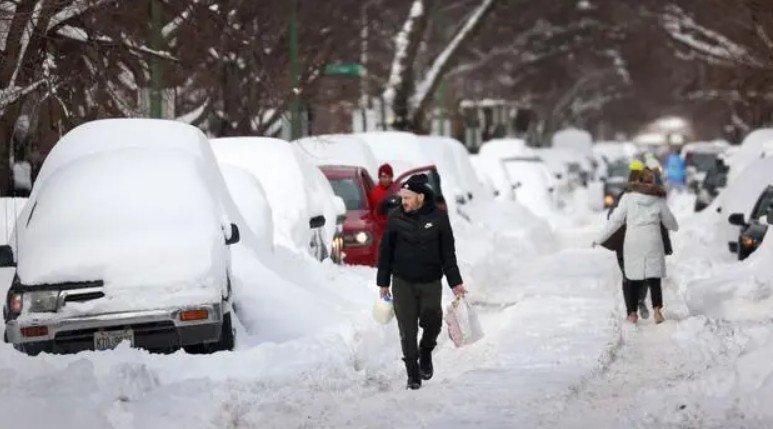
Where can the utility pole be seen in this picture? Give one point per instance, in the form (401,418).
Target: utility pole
(155,62)
(295,101)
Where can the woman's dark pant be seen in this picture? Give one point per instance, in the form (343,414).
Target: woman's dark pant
(632,293)
(417,305)
(641,292)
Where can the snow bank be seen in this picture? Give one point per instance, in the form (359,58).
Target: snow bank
(340,149)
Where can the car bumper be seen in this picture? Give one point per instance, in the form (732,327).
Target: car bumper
(361,255)
(155,330)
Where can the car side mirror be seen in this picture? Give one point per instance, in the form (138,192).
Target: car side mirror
(737,219)
(390,203)
(6,256)
(235,236)
(317,222)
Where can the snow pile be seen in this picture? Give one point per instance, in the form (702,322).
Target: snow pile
(340,149)
(94,215)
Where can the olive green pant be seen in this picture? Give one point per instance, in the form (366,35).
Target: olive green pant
(417,305)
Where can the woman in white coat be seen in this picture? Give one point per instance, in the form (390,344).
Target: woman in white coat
(642,210)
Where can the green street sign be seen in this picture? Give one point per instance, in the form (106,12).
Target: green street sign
(343,69)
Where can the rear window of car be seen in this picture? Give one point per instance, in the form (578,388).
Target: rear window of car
(350,191)
(701,161)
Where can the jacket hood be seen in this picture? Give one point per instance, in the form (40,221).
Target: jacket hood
(647,189)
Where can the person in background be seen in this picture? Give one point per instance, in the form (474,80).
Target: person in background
(377,194)
(417,249)
(643,211)
(676,170)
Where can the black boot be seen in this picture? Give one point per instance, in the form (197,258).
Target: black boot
(414,378)
(425,364)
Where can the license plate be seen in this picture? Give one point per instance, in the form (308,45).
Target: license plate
(106,340)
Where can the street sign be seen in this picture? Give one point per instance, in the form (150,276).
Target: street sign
(343,69)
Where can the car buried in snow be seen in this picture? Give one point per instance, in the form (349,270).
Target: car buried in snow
(392,199)
(753,232)
(125,239)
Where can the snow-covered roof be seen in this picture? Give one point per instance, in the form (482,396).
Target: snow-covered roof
(752,148)
(574,139)
(400,149)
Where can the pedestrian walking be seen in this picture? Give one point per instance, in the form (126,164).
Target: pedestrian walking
(643,212)
(417,249)
(615,243)
(676,171)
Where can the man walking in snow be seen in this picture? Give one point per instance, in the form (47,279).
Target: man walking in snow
(417,249)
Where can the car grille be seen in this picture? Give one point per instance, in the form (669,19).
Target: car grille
(139,330)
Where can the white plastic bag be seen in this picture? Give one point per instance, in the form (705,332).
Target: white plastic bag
(463,324)
(383,310)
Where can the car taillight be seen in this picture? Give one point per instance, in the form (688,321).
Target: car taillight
(191,315)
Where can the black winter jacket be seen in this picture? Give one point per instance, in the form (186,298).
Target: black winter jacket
(418,247)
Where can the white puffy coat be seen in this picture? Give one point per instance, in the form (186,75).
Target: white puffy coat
(643,246)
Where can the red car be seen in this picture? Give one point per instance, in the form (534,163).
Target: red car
(362,232)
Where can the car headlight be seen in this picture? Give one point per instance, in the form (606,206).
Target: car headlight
(43,301)
(361,238)
(15,303)
(609,200)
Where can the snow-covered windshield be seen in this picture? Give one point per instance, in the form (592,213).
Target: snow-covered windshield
(618,169)
(350,191)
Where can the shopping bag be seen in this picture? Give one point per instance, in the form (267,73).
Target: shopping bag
(463,324)
(383,310)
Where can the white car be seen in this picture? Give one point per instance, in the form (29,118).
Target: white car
(700,157)
(306,213)
(532,182)
(339,149)
(125,238)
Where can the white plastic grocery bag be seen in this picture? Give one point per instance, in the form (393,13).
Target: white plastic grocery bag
(463,324)
(383,310)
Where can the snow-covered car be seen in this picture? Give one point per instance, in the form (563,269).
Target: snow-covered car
(579,142)
(402,150)
(339,149)
(251,199)
(700,157)
(616,180)
(714,182)
(11,207)
(532,183)
(125,238)
(753,230)
(740,196)
(489,160)
(306,213)
(758,144)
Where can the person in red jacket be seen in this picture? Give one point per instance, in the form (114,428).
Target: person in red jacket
(377,194)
